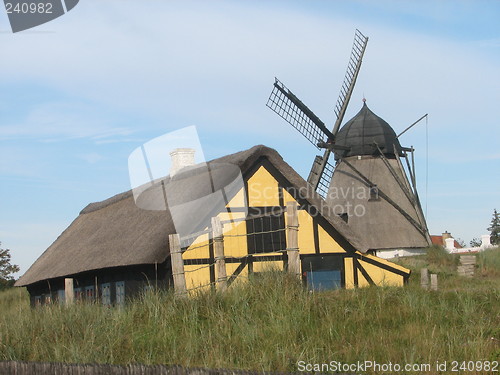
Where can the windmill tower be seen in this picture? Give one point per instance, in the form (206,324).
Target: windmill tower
(366,183)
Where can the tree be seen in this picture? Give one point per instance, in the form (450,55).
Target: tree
(495,228)
(461,242)
(6,268)
(476,242)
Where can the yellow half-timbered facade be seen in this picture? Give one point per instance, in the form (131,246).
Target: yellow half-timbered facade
(255,238)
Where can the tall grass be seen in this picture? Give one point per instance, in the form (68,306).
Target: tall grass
(270,323)
(489,262)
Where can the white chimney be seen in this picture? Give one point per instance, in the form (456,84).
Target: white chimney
(485,241)
(181,157)
(450,244)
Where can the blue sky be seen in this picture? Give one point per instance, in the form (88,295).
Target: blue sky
(80,93)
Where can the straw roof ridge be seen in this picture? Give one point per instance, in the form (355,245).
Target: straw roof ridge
(91,207)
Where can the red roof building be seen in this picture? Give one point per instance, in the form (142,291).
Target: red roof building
(440,240)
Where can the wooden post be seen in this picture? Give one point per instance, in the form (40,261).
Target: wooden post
(69,291)
(424,278)
(434,281)
(177,265)
(220,262)
(292,239)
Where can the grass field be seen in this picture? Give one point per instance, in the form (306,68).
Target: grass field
(272,323)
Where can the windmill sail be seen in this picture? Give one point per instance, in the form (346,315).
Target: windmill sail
(291,109)
(353,67)
(325,173)
(322,170)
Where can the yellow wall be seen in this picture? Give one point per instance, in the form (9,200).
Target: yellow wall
(327,243)
(306,233)
(380,276)
(361,280)
(349,272)
(386,262)
(263,191)
(199,248)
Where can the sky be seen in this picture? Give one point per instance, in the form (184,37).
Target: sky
(80,93)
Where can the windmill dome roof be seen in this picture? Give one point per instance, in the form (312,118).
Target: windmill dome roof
(362,132)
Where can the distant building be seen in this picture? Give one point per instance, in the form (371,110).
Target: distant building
(453,247)
(440,240)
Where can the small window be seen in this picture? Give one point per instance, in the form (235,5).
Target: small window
(61,296)
(323,279)
(345,217)
(38,300)
(120,293)
(323,271)
(266,234)
(89,293)
(48,299)
(373,194)
(106,294)
(78,294)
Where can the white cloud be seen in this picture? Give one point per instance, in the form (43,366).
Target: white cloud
(15,161)
(61,121)
(91,158)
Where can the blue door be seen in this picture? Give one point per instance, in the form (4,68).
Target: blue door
(323,280)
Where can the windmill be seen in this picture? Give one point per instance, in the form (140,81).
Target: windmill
(366,184)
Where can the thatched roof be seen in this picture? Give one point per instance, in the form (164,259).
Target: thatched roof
(115,232)
(380,225)
(361,132)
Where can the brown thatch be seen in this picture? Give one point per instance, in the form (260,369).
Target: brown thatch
(115,232)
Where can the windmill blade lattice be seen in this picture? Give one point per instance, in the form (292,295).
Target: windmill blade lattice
(358,49)
(291,109)
(322,170)
(325,179)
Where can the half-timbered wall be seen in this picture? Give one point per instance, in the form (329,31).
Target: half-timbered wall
(324,252)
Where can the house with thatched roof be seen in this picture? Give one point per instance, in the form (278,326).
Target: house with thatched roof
(116,248)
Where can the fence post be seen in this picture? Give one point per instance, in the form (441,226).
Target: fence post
(177,265)
(434,281)
(292,239)
(424,278)
(220,262)
(69,291)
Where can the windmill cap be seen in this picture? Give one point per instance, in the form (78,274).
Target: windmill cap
(362,132)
